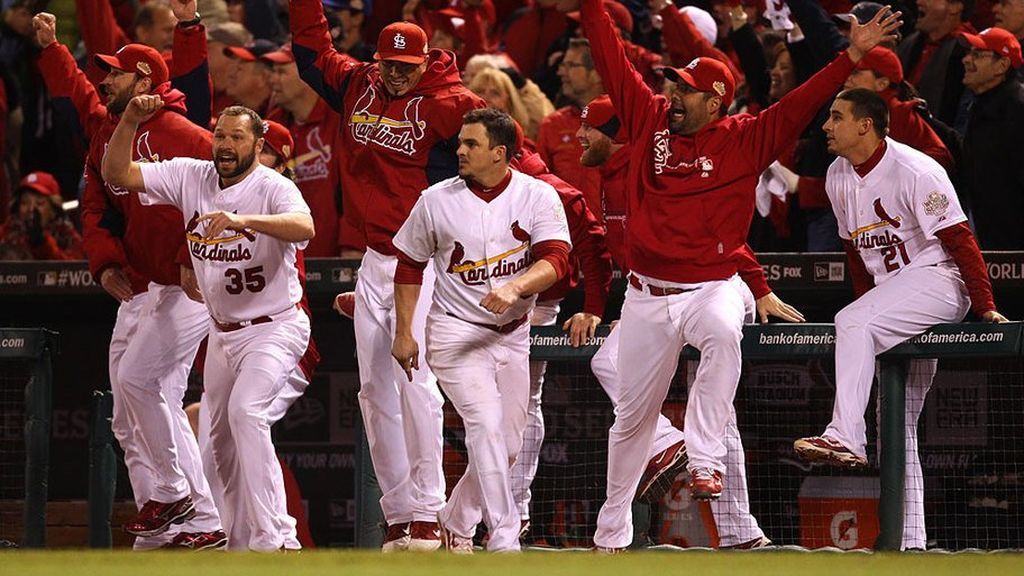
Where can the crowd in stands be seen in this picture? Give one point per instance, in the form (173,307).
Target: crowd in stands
(953,83)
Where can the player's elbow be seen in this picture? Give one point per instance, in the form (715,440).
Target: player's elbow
(304,228)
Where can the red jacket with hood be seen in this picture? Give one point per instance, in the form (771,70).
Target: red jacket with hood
(148,242)
(393,148)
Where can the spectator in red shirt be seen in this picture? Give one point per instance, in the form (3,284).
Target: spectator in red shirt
(248,81)
(38,229)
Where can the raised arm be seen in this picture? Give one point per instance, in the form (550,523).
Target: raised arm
(118,168)
(320,65)
(190,67)
(626,87)
(67,85)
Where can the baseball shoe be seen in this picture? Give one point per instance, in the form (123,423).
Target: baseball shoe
(345,304)
(607,550)
(705,484)
(214,540)
(661,472)
(157,517)
(424,537)
(826,449)
(524,528)
(455,544)
(397,537)
(759,542)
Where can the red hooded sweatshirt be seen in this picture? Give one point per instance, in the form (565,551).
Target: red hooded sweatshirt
(148,242)
(392,148)
(691,198)
(589,253)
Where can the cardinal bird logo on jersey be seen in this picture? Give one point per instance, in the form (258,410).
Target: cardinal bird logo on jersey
(213,248)
(509,263)
(884,216)
(370,127)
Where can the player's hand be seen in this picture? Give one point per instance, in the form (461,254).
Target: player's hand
(190,285)
(882,28)
(406,350)
(45,25)
(116,283)
(581,328)
(737,16)
(501,298)
(771,305)
(994,317)
(141,107)
(217,222)
(184,9)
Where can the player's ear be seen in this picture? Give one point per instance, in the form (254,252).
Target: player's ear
(259,145)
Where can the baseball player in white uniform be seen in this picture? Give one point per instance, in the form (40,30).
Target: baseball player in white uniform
(497,237)
(244,223)
(906,234)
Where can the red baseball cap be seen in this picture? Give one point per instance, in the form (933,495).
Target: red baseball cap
(42,183)
(883,62)
(705,75)
(402,42)
(281,56)
(137,59)
(1000,41)
(600,115)
(279,139)
(252,52)
(618,13)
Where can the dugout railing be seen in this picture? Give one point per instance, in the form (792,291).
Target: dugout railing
(25,363)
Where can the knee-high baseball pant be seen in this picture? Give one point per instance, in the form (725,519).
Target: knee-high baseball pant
(245,372)
(486,376)
(654,330)
(402,419)
(900,308)
(154,342)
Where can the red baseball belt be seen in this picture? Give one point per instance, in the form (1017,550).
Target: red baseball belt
(656,290)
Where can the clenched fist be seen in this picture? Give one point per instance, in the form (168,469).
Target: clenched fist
(141,107)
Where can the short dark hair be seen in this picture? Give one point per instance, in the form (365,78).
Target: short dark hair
(146,15)
(255,122)
(583,44)
(501,128)
(868,104)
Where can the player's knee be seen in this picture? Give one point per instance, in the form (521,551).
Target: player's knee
(851,318)
(243,416)
(722,338)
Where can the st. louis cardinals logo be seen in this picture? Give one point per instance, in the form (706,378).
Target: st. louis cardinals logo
(862,238)
(477,272)
(143,153)
(372,128)
(399,42)
(314,164)
(663,157)
(214,248)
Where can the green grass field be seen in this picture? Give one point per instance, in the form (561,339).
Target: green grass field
(649,563)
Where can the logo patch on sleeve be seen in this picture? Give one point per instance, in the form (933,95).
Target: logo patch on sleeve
(936,204)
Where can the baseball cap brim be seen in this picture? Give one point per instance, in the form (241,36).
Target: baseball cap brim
(240,53)
(107,62)
(679,77)
(279,57)
(973,41)
(407,58)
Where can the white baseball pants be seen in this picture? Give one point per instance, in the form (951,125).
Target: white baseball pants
(239,537)
(900,308)
(733,520)
(525,468)
(486,376)
(245,372)
(653,332)
(152,347)
(403,420)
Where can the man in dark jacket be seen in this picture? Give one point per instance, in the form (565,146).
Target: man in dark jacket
(993,175)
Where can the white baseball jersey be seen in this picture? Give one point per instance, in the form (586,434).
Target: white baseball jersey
(242,275)
(478,245)
(892,214)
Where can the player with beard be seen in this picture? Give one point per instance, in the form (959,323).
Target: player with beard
(244,224)
(690,196)
(604,147)
(135,254)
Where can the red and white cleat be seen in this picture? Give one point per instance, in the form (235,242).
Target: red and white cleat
(157,517)
(424,537)
(214,540)
(661,472)
(397,538)
(345,304)
(705,484)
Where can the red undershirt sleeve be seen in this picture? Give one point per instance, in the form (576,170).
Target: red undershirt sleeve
(409,271)
(959,241)
(862,279)
(556,252)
